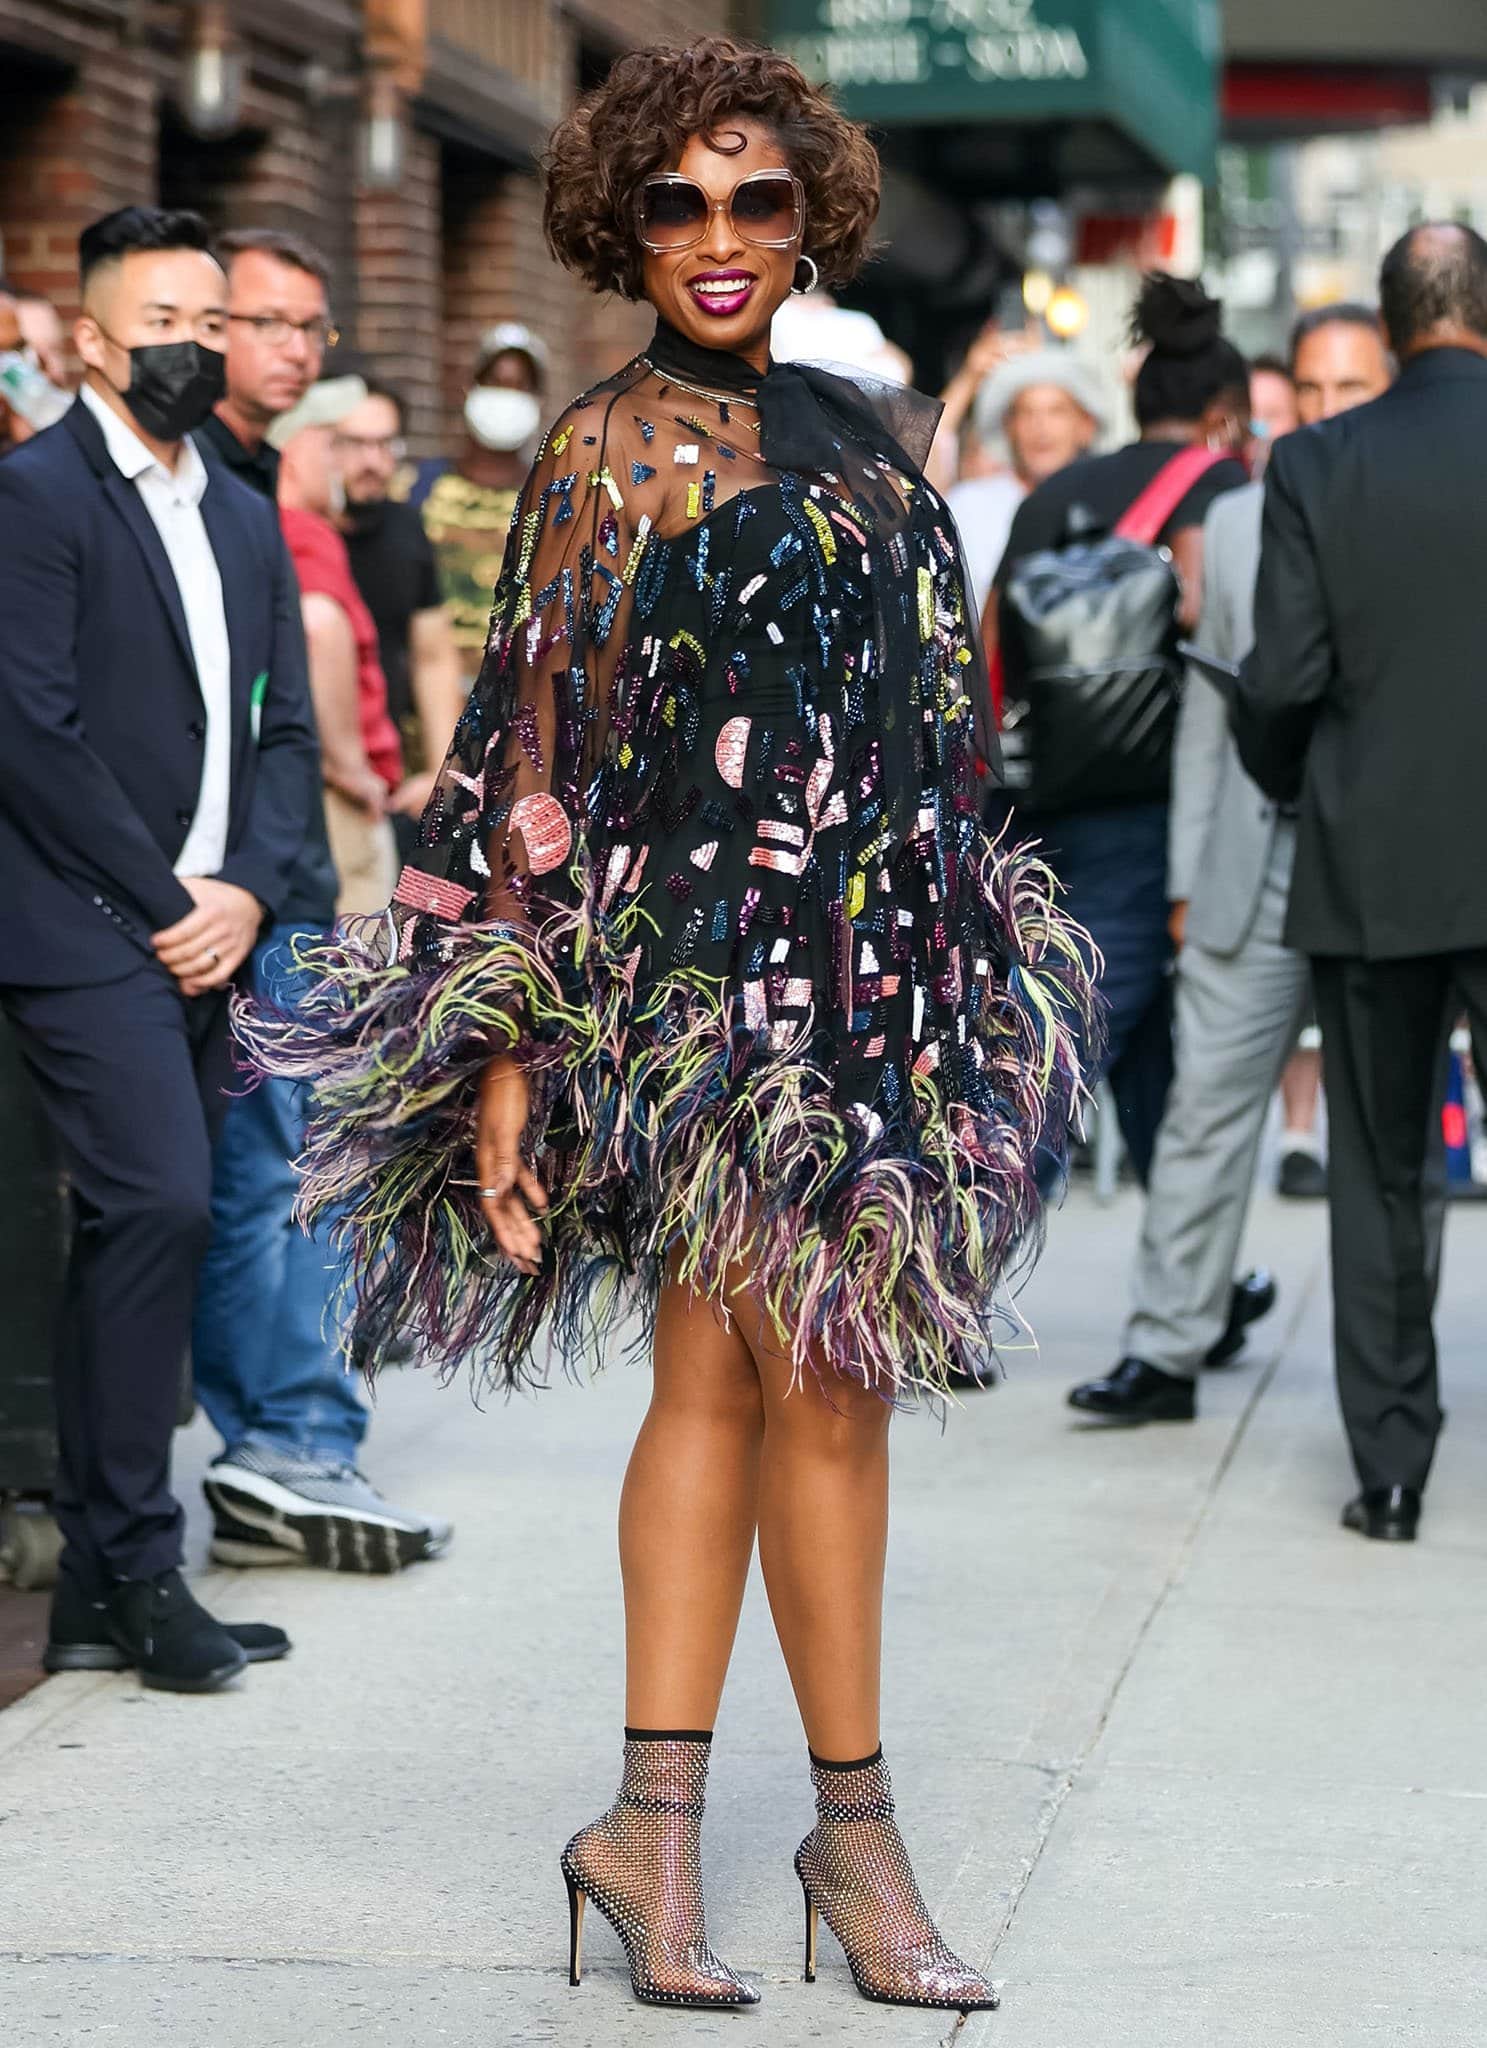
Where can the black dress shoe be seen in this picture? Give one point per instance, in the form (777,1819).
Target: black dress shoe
(1302,1177)
(168,1636)
(78,1637)
(1390,1514)
(1137,1392)
(1252,1296)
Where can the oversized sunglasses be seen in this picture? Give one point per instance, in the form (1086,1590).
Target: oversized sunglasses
(767,209)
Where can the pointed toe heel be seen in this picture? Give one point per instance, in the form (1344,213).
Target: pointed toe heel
(855,1874)
(640,1866)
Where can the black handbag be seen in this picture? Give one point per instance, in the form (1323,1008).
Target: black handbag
(1090,663)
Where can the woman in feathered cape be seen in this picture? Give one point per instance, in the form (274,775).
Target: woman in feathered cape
(708,993)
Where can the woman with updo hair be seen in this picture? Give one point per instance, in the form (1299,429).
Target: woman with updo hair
(708,1014)
(1191,393)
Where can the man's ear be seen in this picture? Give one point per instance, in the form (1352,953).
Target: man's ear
(87,339)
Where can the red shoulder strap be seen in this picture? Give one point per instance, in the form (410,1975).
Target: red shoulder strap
(1157,503)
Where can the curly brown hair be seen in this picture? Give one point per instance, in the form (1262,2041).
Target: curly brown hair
(641,119)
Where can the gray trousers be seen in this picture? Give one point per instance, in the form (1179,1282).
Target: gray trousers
(1237,1016)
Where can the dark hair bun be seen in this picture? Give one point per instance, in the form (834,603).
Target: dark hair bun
(1176,315)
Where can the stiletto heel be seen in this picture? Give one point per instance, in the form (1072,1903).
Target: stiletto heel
(641,1866)
(810,1927)
(578,1898)
(854,1871)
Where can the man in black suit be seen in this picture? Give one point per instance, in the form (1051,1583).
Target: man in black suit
(157,771)
(1365,700)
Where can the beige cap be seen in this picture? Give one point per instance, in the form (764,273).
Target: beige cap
(325,404)
(1006,384)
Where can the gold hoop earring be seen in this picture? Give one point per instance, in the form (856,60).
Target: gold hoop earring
(800,289)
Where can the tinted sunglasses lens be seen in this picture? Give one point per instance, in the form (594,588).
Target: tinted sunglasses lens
(766,210)
(672,214)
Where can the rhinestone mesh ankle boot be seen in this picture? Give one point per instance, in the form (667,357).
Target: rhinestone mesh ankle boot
(641,1864)
(855,1872)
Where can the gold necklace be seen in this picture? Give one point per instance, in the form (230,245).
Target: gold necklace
(721,398)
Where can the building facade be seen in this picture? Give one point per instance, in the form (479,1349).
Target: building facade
(1346,122)
(402,137)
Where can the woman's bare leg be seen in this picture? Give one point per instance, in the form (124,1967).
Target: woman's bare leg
(688,1513)
(687,1518)
(823,1538)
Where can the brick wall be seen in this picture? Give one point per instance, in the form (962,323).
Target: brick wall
(417,273)
(67,154)
(401,310)
(288,167)
(496,265)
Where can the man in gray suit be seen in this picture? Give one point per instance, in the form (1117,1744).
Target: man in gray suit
(1241,993)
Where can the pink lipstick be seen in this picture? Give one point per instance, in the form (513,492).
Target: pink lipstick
(721,292)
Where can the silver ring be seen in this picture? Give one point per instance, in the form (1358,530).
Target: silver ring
(490,1194)
(213,955)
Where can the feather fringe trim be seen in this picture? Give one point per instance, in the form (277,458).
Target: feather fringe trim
(671,1141)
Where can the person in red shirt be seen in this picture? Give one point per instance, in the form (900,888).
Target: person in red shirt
(361,755)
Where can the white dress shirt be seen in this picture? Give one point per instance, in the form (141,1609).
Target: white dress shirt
(983,508)
(173,501)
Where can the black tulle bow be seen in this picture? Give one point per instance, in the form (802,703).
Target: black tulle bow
(805,409)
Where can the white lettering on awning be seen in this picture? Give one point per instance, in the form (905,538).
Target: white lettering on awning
(1030,53)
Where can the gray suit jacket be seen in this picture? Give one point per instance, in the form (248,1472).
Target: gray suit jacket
(1222,827)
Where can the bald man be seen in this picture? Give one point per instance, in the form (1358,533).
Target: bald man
(158,769)
(1362,705)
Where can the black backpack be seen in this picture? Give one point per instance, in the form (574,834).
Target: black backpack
(1090,669)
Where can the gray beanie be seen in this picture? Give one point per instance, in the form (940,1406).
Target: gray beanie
(1055,366)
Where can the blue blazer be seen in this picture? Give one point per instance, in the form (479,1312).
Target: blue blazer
(102,723)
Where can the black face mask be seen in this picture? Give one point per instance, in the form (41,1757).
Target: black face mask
(173,385)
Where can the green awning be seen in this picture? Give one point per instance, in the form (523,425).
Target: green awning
(1145,69)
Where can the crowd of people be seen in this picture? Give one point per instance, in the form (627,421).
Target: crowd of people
(1295,856)
(327,646)
(337,646)
(795,853)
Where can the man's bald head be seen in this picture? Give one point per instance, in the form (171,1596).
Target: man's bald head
(1433,290)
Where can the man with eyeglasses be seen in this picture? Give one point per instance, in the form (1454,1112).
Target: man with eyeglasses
(396,572)
(279,327)
(287,1489)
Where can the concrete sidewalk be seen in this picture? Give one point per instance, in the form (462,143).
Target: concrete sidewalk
(1180,1760)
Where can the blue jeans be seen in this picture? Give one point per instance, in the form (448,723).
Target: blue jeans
(1113,865)
(264,1365)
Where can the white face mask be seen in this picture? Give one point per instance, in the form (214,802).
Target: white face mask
(500,418)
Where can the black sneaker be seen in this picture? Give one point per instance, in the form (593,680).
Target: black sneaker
(169,1638)
(1302,1177)
(78,1637)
